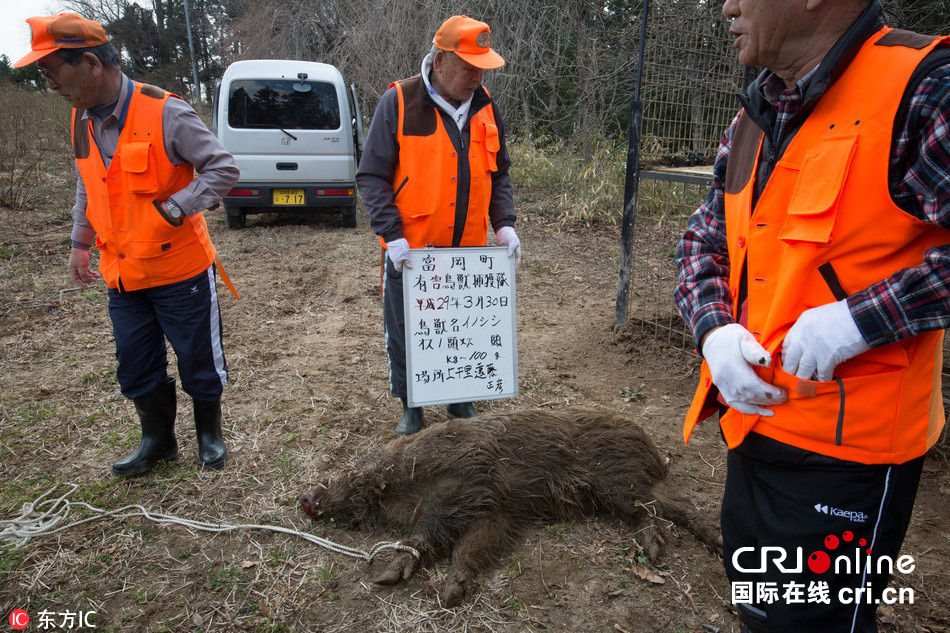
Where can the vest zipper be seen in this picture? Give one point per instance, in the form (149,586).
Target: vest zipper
(840,426)
(462,191)
(771,160)
(401,185)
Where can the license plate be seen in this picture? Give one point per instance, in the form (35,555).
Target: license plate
(288,197)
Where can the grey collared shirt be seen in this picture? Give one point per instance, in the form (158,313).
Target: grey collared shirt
(187,141)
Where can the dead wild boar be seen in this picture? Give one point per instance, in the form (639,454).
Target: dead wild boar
(468,487)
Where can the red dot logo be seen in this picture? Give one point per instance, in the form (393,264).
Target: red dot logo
(847,536)
(831,541)
(863,542)
(819,562)
(19,619)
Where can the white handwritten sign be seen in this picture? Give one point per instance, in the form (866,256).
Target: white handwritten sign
(461,336)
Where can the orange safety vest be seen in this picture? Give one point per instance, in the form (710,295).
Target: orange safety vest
(138,248)
(827,205)
(425,182)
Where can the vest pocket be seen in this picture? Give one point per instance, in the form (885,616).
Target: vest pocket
(813,204)
(484,134)
(420,227)
(139,167)
(857,411)
(148,249)
(415,214)
(156,262)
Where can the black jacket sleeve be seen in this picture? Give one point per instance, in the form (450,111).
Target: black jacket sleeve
(501,207)
(377,167)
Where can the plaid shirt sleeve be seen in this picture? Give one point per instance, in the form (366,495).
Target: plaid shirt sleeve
(915,300)
(702,258)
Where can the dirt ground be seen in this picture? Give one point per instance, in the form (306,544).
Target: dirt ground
(308,394)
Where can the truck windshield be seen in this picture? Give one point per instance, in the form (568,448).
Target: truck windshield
(283,104)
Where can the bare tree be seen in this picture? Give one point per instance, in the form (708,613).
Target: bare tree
(925,16)
(571,68)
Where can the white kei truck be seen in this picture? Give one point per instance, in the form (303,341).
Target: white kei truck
(296,133)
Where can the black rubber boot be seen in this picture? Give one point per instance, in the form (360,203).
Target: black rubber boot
(211,449)
(461,410)
(411,421)
(752,619)
(156,412)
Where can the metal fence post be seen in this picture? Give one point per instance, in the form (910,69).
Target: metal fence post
(632,180)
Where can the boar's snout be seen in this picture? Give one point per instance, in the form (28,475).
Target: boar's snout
(311,502)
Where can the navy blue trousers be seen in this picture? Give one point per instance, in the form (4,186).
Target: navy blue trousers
(187,314)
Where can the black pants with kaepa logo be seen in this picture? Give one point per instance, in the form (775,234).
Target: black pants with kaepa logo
(810,541)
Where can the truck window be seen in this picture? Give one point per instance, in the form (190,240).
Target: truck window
(287,104)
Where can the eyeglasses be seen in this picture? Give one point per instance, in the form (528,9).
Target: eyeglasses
(48,72)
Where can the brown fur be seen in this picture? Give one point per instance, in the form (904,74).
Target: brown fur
(468,487)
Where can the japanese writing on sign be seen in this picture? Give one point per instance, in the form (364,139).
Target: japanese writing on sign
(460,325)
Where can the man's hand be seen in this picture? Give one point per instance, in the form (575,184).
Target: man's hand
(399,253)
(79,270)
(821,339)
(730,351)
(506,236)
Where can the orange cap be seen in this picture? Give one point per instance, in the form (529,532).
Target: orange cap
(65,30)
(469,39)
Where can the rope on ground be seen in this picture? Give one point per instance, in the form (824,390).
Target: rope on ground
(43,517)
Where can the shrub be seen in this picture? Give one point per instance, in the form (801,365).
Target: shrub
(588,190)
(33,129)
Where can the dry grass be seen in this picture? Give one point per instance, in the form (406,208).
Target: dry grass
(588,191)
(307,396)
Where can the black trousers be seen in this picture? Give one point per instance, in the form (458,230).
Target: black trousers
(394,326)
(809,541)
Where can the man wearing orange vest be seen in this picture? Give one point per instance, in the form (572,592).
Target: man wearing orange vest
(434,172)
(137,197)
(815,279)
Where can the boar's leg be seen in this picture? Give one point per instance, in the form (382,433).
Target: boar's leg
(649,513)
(642,516)
(680,511)
(478,548)
(425,539)
(401,567)
(435,520)
(649,535)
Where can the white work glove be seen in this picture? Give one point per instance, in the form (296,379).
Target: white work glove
(399,253)
(506,236)
(821,339)
(730,351)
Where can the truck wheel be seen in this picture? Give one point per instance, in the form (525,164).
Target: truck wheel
(349,216)
(235,217)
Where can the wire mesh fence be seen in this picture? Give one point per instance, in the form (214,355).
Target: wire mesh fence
(689,82)
(690,78)
(665,207)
